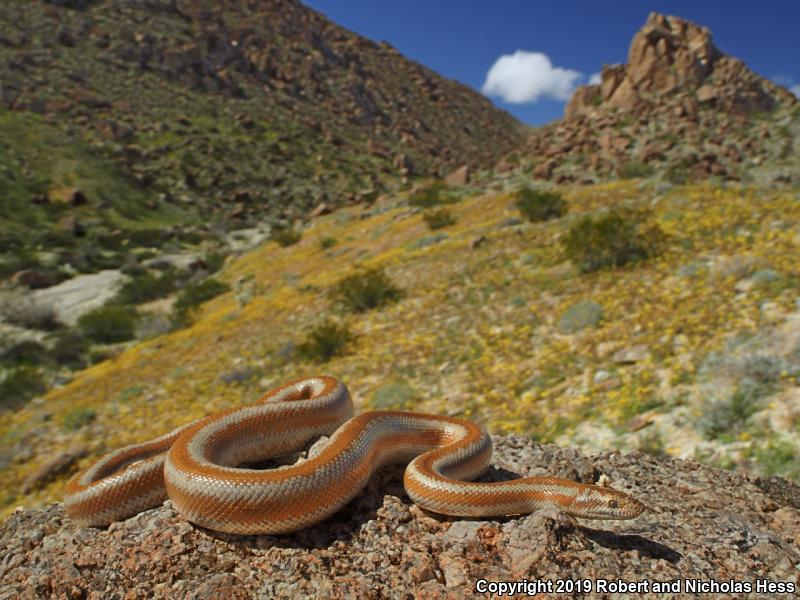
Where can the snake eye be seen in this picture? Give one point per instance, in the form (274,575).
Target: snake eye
(613,504)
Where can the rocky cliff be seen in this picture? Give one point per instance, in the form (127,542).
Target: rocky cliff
(679,106)
(705,528)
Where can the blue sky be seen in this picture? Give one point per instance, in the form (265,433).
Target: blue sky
(462,39)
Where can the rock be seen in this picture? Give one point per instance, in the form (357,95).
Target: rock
(601,376)
(504,165)
(458,177)
(625,96)
(321,209)
(632,354)
(737,266)
(116,131)
(582,314)
(79,295)
(706,93)
(583,101)
(381,545)
(606,349)
(52,468)
(763,277)
(544,170)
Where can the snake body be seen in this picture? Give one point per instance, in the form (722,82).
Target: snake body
(197,467)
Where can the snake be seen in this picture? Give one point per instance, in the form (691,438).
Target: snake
(206,468)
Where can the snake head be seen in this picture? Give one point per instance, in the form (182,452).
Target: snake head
(595,502)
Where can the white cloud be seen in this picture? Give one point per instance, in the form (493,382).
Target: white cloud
(527,76)
(795,89)
(595,79)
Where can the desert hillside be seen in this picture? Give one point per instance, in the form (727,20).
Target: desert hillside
(146,124)
(204,200)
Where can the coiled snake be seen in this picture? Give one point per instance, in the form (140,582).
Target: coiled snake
(196,466)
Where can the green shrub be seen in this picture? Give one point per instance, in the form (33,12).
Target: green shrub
(652,443)
(538,205)
(728,416)
(779,458)
(132,268)
(437,219)
(27,352)
(324,341)
(763,369)
(148,286)
(193,296)
(286,236)
(617,238)
(77,418)
(215,261)
(20,385)
(327,242)
(365,290)
(16,260)
(430,195)
(69,350)
(109,324)
(679,172)
(634,169)
(149,238)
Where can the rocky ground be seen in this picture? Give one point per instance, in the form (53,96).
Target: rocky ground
(703,524)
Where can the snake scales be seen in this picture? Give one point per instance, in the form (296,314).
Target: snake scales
(197,467)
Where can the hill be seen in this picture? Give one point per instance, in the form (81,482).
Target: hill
(183,118)
(679,108)
(692,353)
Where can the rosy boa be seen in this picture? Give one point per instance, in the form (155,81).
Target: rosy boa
(196,466)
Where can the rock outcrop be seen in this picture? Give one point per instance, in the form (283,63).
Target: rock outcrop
(705,528)
(673,56)
(679,106)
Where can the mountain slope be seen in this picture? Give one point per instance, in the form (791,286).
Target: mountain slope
(239,108)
